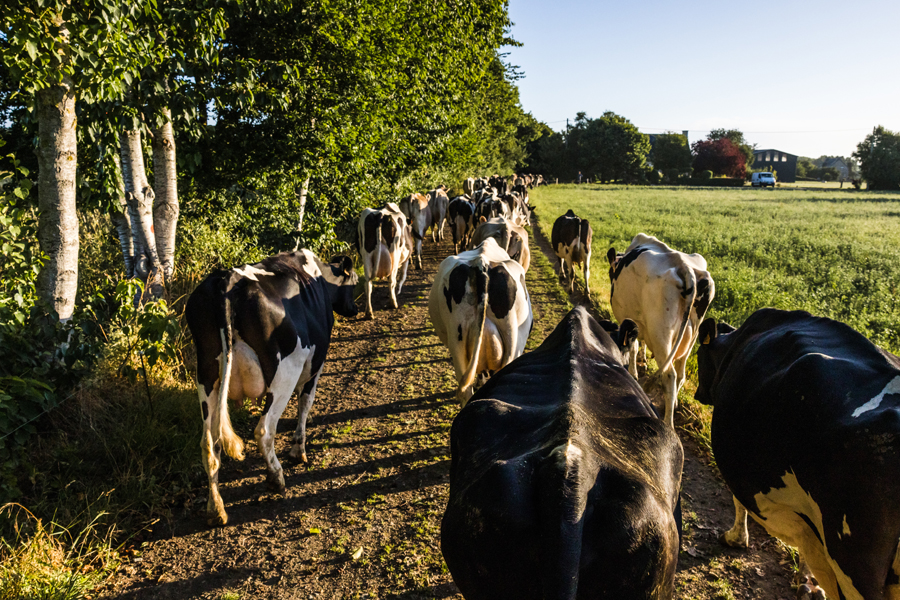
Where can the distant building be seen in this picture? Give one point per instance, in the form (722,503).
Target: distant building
(784,164)
(838,163)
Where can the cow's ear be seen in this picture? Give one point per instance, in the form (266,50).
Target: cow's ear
(708,331)
(483,219)
(628,332)
(611,256)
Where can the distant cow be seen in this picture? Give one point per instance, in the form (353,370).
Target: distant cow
(262,331)
(461,215)
(385,244)
(571,241)
(509,236)
(563,480)
(469,186)
(481,311)
(489,207)
(438,203)
(667,293)
(806,433)
(417,210)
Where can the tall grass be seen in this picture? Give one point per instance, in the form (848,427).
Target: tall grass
(833,253)
(50,561)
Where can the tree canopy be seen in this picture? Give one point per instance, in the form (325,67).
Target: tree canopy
(720,156)
(671,152)
(879,159)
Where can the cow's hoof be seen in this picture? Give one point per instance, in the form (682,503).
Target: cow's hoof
(809,589)
(275,482)
(369,316)
(734,540)
(217,519)
(298,455)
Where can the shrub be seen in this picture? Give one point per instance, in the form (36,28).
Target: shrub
(654,176)
(705,174)
(672,175)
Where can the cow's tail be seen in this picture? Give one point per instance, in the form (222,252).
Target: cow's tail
(230,442)
(561,503)
(478,273)
(378,242)
(689,293)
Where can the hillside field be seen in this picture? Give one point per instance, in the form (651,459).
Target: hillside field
(834,253)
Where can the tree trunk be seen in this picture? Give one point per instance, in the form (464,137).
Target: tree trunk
(122,221)
(301,209)
(58,227)
(139,197)
(165,207)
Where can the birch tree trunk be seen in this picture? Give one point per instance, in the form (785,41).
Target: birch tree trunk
(57,282)
(301,209)
(122,221)
(139,196)
(165,207)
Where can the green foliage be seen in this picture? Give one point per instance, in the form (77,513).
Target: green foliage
(654,176)
(879,159)
(705,174)
(606,149)
(671,152)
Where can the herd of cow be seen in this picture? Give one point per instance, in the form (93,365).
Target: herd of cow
(565,476)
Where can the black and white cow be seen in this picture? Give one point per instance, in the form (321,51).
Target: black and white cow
(418,212)
(571,241)
(469,186)
(490,207)
(667,293)
(512,238)
(262,331)
(385,245)
(481,311)
(564,482)
(438,203)
(461,212)
(806,433)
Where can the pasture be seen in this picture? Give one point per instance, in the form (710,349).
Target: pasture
(834,253)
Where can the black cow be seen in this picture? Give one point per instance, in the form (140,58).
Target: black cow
(461,211)
(262,331)
(571,241)
(806,433)
(563,480)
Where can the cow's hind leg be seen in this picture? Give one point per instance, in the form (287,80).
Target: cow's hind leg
(211,456)
(587,275)
(737,536)
(369,284)
(404,268)
(307,397)
(287,378)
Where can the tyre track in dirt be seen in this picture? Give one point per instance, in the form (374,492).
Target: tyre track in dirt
(362,520)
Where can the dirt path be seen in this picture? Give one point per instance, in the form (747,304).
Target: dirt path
(363,519)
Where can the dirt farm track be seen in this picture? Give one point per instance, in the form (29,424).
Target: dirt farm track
(362,520)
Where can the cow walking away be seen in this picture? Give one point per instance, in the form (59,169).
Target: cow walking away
(419,215)
(667,293)
(461,213)
(509,236)
(262,331)
(564,482)
(806,433)
(385,245)
(571,241)
(438,202)
(481,311)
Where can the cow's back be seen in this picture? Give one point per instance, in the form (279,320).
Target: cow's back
(568,490)
(807,422)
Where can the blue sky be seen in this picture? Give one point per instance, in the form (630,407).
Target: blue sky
(808,78)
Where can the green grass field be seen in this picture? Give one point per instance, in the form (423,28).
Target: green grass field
(835,253)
